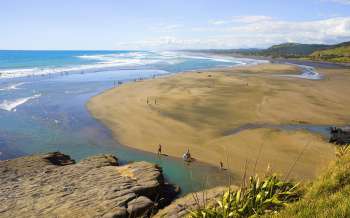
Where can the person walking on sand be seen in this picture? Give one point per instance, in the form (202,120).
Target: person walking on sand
(221,165)
(187,156)
(159,149)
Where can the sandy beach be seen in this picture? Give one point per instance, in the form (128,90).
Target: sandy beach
(198,110)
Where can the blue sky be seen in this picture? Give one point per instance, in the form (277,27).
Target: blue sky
(170,24)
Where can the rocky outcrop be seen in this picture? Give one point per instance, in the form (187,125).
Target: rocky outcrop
(340,135)
(53,185)
(181,206)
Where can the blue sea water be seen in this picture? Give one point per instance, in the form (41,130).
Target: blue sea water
(41,59)
(29,63)
(43,96)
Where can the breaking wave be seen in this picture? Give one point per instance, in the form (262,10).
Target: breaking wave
(128,60)
(12,87)
(8,105)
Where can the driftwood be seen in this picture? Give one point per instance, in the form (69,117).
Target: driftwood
(340,135)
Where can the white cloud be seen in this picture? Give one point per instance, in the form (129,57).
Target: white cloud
(241,19)
(251,31)
(219,22)
(251,19)
(163,42)
(166,27)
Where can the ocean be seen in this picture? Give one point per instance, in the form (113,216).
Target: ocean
(31,63)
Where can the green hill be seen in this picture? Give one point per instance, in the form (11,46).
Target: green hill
(331,53)
(338,53)
(293,49)
(285,50)
(318,52)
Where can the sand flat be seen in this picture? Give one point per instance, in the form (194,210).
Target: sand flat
(196,110)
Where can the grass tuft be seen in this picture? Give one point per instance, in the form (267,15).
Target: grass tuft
(328,196)
(257,198)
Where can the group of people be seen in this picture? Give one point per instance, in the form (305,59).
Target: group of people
(186,156)
(117,83)
(149,101)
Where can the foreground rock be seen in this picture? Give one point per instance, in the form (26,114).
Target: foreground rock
(53,185)
(181,206)
(340,135)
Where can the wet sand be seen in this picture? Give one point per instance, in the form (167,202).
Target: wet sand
(196,110)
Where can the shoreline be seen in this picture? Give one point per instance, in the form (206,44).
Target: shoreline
(280,60)
(151,147)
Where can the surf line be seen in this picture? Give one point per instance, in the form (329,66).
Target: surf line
(12,105)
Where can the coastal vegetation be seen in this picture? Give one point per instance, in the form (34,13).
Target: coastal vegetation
(288,50)
(259,197)
(326,196)
(338,53)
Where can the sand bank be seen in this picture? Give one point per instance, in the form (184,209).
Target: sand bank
(195,110)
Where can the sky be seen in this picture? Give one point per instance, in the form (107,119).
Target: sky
(170,24)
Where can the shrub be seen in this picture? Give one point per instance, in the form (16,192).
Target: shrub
(257,198)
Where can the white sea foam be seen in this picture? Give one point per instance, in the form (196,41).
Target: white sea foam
(136,58)
(308,72)
(13,73)
(227,59)
(11,105)
(121,60)
(104,62)
(12,87)
(170,57)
